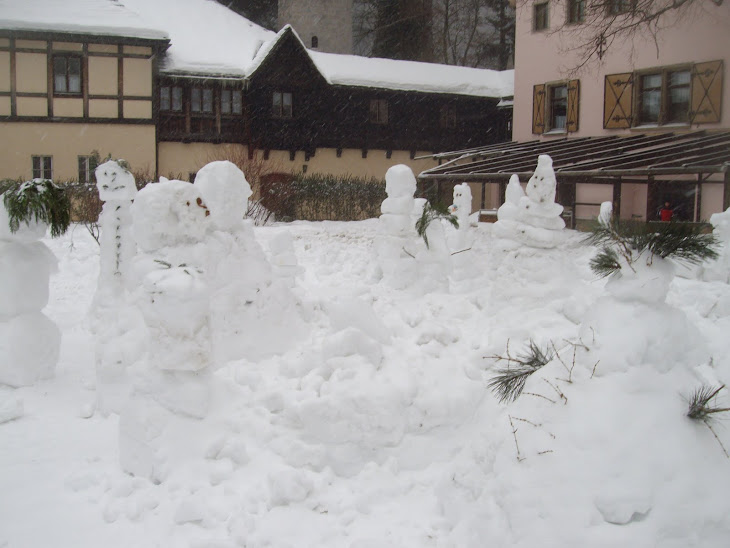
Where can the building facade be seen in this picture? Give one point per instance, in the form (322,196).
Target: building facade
(148,92)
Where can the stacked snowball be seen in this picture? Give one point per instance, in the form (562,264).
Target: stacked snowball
(532,217)
(29,341)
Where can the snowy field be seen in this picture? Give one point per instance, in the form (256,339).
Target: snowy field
(375,428)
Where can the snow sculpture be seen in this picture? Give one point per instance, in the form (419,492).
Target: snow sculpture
(631,324)
(172,379)
(117,190)
(720,269)
(112,319)
(461,208)
(29,341)
(532,217)
(397,226)
(247,302)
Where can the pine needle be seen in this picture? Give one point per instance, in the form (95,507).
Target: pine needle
(38,200)
(700,406)
(509,382)
(431,213)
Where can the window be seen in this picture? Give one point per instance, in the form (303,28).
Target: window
(42,167)
(87,165)
(540,16)
(231,101)
(171,98)
(315,42)
(66,74)
(379,111)
(689,94)
(558,98)
(448,117)
(201,100)
(281,106)
(664,97)
(576,11)
(555,107)
(617,7)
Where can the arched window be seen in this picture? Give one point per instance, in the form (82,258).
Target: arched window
(315,42)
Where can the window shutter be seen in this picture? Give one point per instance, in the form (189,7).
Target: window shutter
(706,92)
(571,123)
(617,100)
(538,108)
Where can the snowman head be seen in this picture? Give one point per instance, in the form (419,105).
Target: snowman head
(541,186)
(462,198)
(114,182)
(400,181)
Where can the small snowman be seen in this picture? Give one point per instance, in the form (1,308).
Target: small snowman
(29,340)
(461,208)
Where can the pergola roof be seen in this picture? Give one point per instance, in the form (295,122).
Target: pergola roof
(701,152)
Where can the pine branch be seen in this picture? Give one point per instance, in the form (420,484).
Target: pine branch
(605,263)
(509,382)
(683,242)
(431,213)
(38,200)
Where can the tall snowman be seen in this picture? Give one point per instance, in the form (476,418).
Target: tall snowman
(29,341)
(395,248)
(113,321)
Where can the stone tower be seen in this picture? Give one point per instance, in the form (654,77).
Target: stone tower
(324,25)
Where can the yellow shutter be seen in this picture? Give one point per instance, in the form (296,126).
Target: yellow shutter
(538,108)
(706,92)
(617,100)
(573,103)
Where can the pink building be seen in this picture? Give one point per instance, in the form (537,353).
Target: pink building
(641,122)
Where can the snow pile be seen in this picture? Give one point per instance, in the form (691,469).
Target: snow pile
(532,217)
(29,340)
(378,428)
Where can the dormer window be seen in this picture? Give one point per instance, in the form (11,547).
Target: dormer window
(315,42)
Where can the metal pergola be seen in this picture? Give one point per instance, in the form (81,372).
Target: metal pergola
(643,158)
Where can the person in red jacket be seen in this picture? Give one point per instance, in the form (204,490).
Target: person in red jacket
(666,212)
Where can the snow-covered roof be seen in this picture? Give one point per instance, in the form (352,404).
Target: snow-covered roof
(208,39)
(94,17)
(352,70)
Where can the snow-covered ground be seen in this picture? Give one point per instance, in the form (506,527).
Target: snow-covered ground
(377,429)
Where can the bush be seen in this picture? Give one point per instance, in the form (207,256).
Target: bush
(324,197)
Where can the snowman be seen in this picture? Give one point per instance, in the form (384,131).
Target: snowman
(117,190)
(114,323)
(251,301)
(171,381)
(461,208)
(29,341)
(532,217)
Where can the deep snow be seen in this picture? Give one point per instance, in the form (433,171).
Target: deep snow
(378,430)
